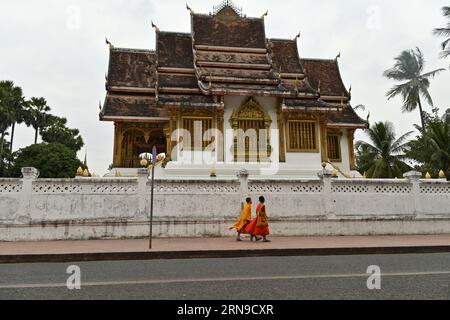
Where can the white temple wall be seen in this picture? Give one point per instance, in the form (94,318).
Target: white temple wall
(57,209)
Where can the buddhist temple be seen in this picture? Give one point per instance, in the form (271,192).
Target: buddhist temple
(203,97)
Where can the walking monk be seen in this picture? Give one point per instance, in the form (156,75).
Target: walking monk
(246,218)
(260,225)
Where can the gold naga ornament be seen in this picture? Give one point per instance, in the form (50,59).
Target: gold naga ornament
(79,171)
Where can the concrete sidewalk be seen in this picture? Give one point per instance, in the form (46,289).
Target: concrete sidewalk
(94,250)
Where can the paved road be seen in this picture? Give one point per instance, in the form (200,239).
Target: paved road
(420,276)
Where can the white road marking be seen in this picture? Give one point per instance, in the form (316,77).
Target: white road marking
(174,281)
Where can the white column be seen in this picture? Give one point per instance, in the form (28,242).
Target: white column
(142,192)
(29,176)
(414,178)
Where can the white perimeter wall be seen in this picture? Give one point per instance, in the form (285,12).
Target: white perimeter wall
(45,209)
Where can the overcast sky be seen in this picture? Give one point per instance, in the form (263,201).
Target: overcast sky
(56,49)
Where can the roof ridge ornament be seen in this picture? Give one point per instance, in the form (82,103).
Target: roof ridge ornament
(227,3)
(265,14)
(297,36)
(338,56)
(189,9)
(109,43)
(155,27)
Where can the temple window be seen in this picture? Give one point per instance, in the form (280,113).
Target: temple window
(194,125)
(302,136)
(334,147)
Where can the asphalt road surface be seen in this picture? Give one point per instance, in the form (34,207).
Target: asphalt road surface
(418,276)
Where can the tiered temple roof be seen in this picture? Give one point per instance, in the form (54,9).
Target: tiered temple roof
(225,54)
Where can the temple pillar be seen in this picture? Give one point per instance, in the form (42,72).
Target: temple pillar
(118,139)
(281,130)
(351,148)
(220,140)
(323,140)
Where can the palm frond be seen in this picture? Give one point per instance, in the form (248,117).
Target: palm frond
(431,74)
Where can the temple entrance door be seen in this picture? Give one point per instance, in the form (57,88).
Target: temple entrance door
(251,125)
(136,142)
(251,140)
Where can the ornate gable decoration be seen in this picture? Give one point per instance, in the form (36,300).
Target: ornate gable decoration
(251,110)
(227,10)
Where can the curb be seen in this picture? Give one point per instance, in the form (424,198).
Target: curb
(224,254)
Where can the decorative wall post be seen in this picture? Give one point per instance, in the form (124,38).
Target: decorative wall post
(414,178)
(29,176)
(142,191)
(326,175)
(243,181)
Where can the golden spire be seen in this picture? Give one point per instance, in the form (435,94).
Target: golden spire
(442,174)
(428,175)
(79,171)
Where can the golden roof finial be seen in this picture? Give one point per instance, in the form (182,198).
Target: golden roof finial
(338,56)
(189,9)
(297,36)
(265,14)
(155,27)
(109,43)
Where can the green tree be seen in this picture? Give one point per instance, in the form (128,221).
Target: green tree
(408,69)
(14,100)
(6,156)
(38,115)
(364,157)
(383,157)
(58,132)
(431,149)
(6,119)
(445,32)
(52,160)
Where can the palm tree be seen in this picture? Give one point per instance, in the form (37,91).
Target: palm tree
(432,147)
(445,32)
(383,157)
(15,102)
(408,68)
(37,115)
(6,118)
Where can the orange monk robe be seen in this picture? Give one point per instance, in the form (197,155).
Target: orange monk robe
(246,217)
